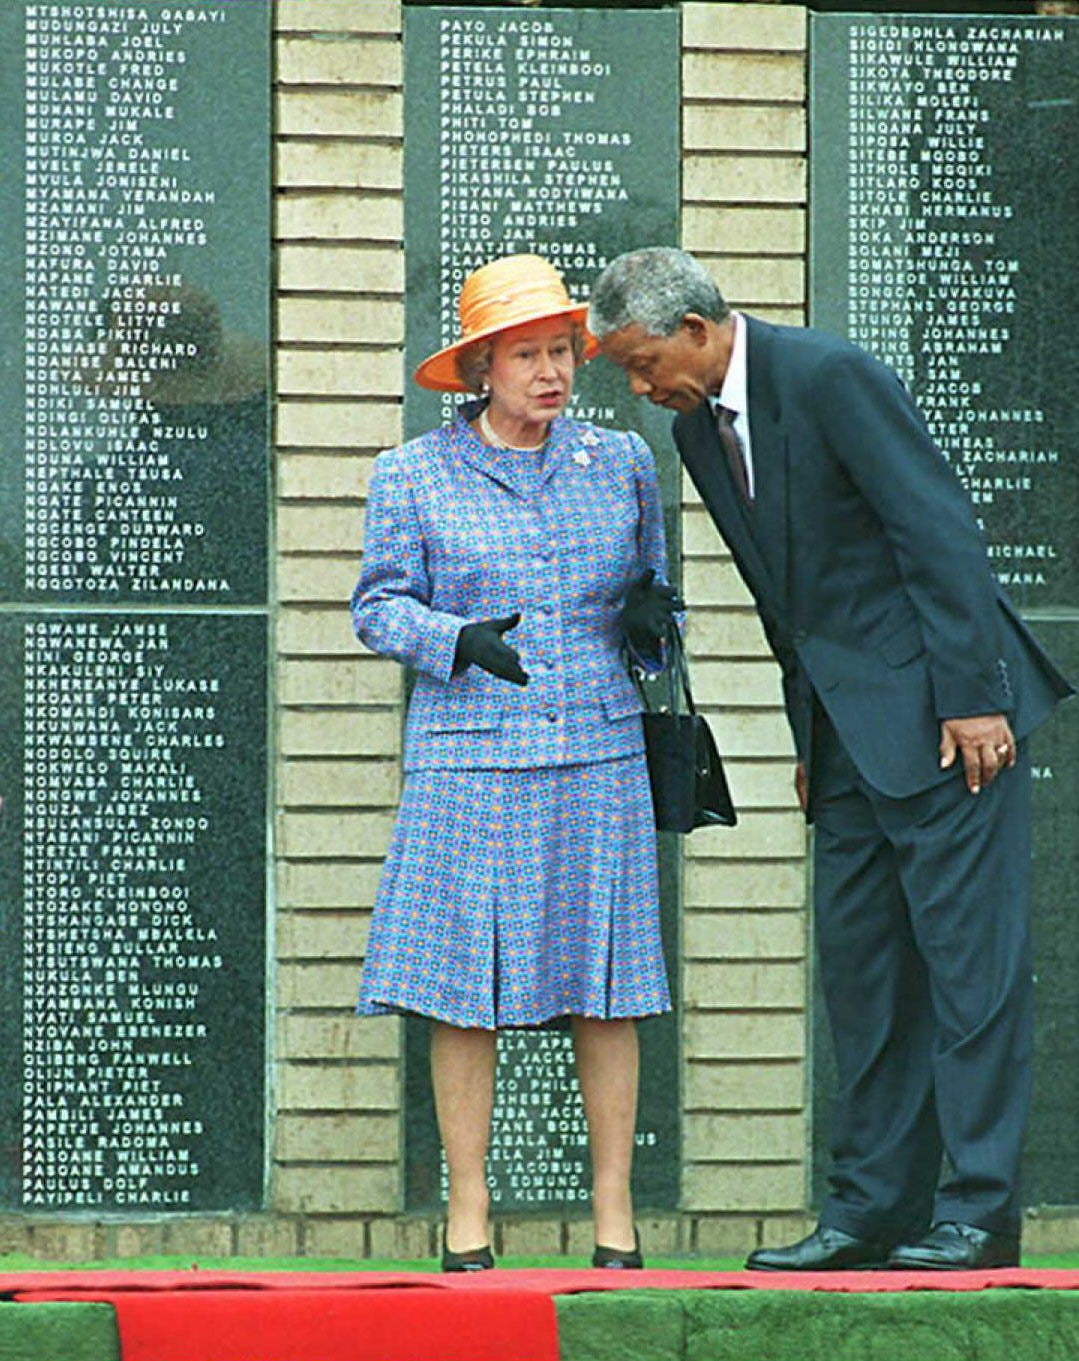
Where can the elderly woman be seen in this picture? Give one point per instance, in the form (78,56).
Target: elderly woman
(510,559)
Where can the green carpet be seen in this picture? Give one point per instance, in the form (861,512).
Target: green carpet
(58,1332)
(994,1325)
(699,1325)
(695,1325)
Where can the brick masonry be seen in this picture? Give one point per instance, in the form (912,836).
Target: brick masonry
(340,309)
(744,936)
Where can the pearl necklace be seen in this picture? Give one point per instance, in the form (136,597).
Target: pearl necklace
(493,438)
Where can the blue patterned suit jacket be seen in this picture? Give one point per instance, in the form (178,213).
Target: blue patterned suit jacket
(457,533)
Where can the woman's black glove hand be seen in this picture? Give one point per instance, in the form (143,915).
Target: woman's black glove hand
(481,645)
(648,612)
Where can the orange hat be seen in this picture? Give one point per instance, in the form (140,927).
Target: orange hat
(508,292)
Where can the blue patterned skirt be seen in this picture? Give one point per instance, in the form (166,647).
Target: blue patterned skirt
(512,897)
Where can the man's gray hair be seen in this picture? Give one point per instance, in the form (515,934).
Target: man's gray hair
(654,287)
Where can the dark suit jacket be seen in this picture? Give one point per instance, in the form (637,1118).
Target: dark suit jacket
(863,555)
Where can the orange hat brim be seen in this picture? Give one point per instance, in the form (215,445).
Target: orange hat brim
(439,371)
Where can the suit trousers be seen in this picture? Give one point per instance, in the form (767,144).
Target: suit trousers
(922,920)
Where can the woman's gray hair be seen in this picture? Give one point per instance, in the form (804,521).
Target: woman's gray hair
(655,288)
(474,362)
(472,365)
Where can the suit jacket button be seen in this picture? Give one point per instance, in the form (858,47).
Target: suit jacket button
(800,635)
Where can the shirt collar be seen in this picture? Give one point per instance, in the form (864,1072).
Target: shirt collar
(734,394)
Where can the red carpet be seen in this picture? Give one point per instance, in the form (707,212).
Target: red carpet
(331,1325)
(503,1315)
(223,1316)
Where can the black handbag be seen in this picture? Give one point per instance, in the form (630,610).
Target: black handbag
(689,787)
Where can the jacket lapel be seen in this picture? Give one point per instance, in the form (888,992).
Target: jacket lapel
(703,456)
(770,454)
(477,454)
(564,441)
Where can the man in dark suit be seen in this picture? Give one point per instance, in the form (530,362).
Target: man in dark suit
(911,685)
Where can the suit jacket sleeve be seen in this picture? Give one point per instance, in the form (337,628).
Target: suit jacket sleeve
(881,439)
(391,605)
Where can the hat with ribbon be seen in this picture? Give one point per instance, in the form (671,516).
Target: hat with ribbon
(510,292)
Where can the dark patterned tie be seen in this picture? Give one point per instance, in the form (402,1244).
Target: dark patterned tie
(733,450)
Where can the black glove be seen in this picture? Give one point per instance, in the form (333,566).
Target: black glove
(648,612)
(481,645)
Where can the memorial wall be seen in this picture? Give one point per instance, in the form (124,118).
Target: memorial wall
(943,199)
(134,361)
(133,514)
(553,132)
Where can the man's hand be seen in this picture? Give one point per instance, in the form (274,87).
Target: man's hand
(481,644)
(801,786)
(985,743)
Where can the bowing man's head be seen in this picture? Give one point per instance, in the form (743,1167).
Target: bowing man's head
(658,315)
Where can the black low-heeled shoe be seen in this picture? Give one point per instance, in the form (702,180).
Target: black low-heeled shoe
(476,1259)
(617,1259)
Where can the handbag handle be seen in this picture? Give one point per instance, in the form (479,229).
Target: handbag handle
(676,662)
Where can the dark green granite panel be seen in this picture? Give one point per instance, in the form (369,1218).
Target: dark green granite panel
(1051,1160)
(554,132)
(943,197)
(132,871)
(134,360)
(943,237)
(134,327)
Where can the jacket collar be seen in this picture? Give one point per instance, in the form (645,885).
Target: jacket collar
(760,369)
(770,449)
(704,460)
(563,438)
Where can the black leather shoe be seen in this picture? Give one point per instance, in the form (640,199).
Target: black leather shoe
(957,1247)
(824,1250)
(476,1259)
(617,1259)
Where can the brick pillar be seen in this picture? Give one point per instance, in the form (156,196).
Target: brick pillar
(340,327)
(744,938)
